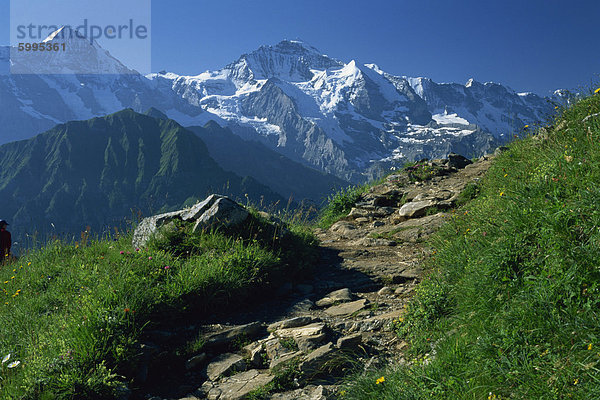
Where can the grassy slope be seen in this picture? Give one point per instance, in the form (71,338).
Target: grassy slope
(72,313)
(511,307)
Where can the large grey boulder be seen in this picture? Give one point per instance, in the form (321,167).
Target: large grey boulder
(213,212)
(224,212)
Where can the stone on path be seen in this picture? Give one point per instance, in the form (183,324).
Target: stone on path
(195,361)
(224,338)
(316,361)
(457,161)
(385,291)
(343,228)
(307,343)
(346,308)
(350,341)
(284,359)
(225,364)
(290,323)
(338,296)
(235,387)
(253,353)
(309,392)
(308,330)
(415,209)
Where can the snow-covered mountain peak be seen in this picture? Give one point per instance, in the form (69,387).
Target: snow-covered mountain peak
(64,34)
(375,68)
(351,70)
(287,60)
(338,117)
(296,47)
(72,53)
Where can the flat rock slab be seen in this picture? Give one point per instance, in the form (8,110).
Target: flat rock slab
(415,209)
(224,365)
(350,341)
(284,359)
(347,308)
(236,387)
(290,323)
(308,330)
(315,361)
(309,392)
(225,337)
(338,296)
(372,242)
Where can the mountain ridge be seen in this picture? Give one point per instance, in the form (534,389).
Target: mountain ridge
(96,172)
(347,119)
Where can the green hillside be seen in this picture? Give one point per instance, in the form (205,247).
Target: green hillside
(511,307)
(73,317)
(99,172)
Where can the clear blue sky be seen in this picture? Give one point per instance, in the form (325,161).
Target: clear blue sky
(530,45)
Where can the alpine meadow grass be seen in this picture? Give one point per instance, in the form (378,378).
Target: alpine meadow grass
(511,306)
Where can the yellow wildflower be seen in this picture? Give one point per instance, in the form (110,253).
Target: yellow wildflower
(380,380)
(501,194)
(589,346)
(575,381)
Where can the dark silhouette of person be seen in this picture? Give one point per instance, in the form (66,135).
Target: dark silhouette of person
(5,240)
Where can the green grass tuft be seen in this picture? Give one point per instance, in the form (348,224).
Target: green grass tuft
(340,204)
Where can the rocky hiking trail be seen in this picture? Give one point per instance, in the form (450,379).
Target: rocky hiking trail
(308,335)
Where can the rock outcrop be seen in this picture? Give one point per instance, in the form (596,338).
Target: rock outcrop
(214,212)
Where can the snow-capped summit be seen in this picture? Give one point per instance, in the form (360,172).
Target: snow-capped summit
(72,53)
(287,60)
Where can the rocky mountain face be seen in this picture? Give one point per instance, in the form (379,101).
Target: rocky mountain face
(493,107)
(99,172)
(353,120)
(38,97)
(347,119)
(288,178)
